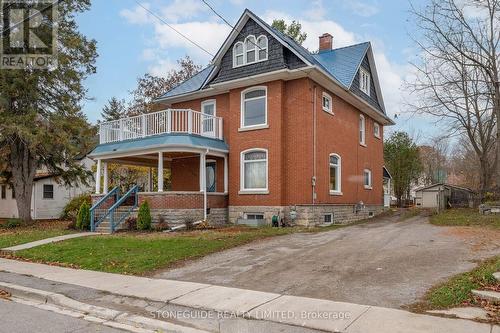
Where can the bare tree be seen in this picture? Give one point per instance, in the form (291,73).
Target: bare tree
(434,159)
(457,74)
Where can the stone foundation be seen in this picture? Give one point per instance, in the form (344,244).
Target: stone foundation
(308,215)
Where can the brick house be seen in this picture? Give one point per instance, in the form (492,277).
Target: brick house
(267,129)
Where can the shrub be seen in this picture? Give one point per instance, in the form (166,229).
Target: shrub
(83,217)
(162,224)
(189,223)
(13,223)
(131,223)
(71,209)
(144,217)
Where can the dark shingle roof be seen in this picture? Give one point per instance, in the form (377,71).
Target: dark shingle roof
(343,63)
(193,84)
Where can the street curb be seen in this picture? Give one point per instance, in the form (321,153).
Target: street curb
(97,314)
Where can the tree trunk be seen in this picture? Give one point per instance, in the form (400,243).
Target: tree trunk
(484,176)
(23,166)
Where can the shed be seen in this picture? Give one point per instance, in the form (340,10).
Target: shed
(443,196)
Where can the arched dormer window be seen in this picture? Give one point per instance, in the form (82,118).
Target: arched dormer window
(250,51)
(238,55)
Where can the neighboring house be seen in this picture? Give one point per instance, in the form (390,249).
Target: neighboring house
(443,196)
(48,197)
(268,128)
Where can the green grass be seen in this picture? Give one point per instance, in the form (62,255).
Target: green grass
(141,253)
(21,235)
(465,217)
(457,290)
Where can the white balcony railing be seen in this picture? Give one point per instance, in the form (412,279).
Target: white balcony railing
(162,122)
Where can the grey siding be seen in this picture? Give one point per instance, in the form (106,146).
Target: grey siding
(279,57)
(373,98)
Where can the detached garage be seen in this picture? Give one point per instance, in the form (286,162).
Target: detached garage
(443,196)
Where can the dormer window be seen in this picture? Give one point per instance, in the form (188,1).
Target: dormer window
(364,81)
(250,51)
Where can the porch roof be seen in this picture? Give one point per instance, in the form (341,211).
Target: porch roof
(159,141)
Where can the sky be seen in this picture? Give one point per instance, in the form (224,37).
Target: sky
(132,42)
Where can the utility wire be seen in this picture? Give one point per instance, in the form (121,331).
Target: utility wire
(174,29)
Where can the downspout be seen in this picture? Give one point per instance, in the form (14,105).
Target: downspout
(205,188)
(314,148)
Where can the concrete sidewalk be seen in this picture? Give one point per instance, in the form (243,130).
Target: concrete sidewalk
(260,307)
(47,241)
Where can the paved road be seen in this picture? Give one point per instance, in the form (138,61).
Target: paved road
(385,262)
(20,318)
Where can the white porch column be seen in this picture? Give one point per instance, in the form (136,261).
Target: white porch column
(203,182)
(160,171)
(202,172)
(226,175)
(105,166)
(150,179)
(98,178)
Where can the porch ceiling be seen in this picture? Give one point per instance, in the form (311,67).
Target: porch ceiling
(151,160)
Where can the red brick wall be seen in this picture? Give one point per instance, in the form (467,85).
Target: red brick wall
(168,200)
(289,140)
(185,173)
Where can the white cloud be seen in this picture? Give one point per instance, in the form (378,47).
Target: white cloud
(362,8)
(183,9)
(162,67)
(137,15)
(317,10)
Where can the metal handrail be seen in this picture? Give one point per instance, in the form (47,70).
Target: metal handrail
(115,191)
(118,203)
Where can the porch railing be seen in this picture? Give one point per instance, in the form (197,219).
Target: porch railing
(119,212)
(162,122)
(97,212)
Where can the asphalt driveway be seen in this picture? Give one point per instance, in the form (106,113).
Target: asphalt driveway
(385,262)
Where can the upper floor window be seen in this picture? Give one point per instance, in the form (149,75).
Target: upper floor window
(254,107)
(254,170)
(376,130)
(335,174)
(327,103)
(238,59)
(367,179)
(362,130)
(364,81)
(250,51)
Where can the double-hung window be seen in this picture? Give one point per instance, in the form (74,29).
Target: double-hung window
(327,103)
(362,130)
(238,56)
(364,81)
(254,107)
(335,174)
(48,191)
(367,179)
(376,130)
(254,170)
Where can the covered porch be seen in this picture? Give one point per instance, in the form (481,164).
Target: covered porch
(179,166)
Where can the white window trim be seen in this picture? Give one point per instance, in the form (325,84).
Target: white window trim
(243,190)
(242,54)
(327,96)
(209,102)
(53,192)
(369,172)
(362,128)
(362,72)
(339,171)
(242,109)
(256,50)
(376,125)
(329,214)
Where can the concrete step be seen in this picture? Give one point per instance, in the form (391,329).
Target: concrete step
(497,275)
(488,295)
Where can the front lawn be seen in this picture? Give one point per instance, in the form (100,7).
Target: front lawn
(457,290)
(139,253)
(31,233)
(465,217)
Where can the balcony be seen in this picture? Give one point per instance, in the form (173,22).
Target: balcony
(170,121)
